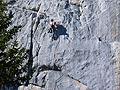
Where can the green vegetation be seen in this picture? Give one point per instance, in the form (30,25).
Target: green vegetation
(15,62)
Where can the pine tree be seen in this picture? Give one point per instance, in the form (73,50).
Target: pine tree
(14,61)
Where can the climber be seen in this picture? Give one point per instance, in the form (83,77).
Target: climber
(52,25)
(55,25)
(55,31)
(53,28)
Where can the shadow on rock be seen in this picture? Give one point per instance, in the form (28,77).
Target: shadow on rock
(61,30)
(12,2)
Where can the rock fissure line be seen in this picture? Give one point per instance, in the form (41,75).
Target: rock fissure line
(44,82)
(80,83)
(30,61)
(34,10)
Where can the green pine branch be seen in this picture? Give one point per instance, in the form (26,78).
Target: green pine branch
(14,61)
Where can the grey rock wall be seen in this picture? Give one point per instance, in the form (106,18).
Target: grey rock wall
(85,55)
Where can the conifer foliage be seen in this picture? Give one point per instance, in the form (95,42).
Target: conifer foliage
(14,61)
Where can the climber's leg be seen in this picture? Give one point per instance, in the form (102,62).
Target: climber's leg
(50,30)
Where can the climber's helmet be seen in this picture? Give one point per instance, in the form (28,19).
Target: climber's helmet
(52,20)
(54,23)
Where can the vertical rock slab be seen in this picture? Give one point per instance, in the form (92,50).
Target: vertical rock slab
(116,49)
(84,56)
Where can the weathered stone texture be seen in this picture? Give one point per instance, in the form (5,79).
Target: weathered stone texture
(82,57)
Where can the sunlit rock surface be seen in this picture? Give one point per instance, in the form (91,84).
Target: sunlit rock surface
(86,52)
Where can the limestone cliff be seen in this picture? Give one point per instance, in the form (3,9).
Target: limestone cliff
(86,53)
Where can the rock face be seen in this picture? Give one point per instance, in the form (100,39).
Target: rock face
(86,52)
